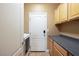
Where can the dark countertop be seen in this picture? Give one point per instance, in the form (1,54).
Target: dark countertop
(68,43)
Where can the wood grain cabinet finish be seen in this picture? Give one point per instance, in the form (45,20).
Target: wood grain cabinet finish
(73,10)
(50,46)
(63,12)
(70,54)
(66,12)
(57,15)
(60,49)
(48,43)
(55,49)
(56,52)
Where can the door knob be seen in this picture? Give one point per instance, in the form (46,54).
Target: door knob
(44,32)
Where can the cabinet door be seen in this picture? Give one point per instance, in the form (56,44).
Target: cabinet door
(48,42)
(51,50)
(73,10)
(50,46)
(63,12)
(57,15)
(56,52)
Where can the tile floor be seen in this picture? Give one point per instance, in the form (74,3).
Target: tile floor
(39,54)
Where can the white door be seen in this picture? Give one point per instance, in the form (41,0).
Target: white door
(38,31)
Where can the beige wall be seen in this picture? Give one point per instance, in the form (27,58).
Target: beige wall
(49,8)
(11,28)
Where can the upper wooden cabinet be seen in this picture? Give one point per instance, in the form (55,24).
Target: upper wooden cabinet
(57,15)
(73,10)
(63,12)
(66,12)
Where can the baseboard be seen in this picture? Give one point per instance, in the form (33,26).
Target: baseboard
(47,50)
(19,52)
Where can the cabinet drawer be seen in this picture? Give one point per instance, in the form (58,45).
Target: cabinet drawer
(60,49)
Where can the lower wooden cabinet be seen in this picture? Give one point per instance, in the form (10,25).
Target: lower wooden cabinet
(50,46)
(69,54)
(56,52)
(61,51)
(55,49)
